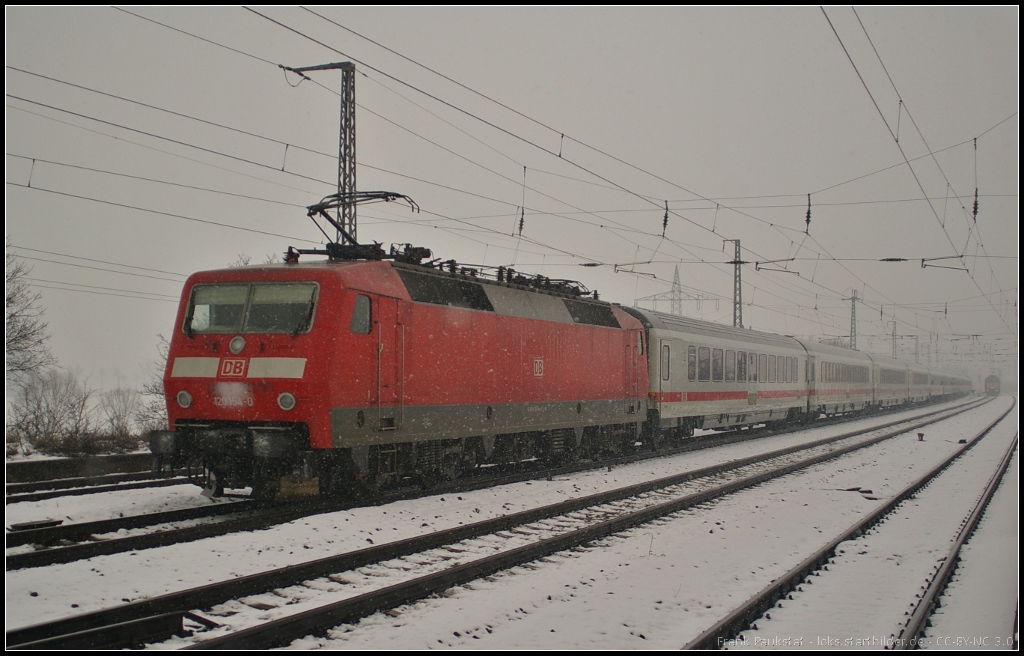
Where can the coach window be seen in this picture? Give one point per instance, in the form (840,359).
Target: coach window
(704,363)
(691,363)
(741,366)
(795,369)
(665,353)
(717,365)
(752,371)
(771,368)
(785,363)
(762,368)
(361,315)
(730,366)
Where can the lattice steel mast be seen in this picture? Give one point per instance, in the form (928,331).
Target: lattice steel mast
(737,286)
(346,209)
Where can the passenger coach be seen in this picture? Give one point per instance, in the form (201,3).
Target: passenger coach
(707,376)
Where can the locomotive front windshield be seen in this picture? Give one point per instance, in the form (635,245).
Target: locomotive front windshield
(251,308)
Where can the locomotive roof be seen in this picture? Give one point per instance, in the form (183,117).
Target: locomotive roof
(541,298)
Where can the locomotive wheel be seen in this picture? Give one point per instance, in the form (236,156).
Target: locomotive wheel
(265,489)
(585,449)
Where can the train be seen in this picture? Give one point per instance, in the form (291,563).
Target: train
(350,374)
(992,385)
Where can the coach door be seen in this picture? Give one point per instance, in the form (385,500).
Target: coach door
(390,331)
(634,350)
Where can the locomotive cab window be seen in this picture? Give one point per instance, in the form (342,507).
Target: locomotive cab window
(251,308)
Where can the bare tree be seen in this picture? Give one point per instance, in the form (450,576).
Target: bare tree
(50,413)
(121,407)
(152,414)
(245,260)
(25,331)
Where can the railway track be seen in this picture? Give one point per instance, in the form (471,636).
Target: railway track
(28,471)
(908,548)
(518,538)
(52,489)
(44,545)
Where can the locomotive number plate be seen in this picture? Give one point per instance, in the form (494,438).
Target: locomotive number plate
(232,395)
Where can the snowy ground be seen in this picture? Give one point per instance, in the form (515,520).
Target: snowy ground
(656,586)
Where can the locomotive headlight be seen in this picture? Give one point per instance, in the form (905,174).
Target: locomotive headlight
(184,399)
(236,344)
(286,400)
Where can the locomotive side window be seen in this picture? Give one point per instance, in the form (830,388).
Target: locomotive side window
(691,363)
(361,320)
(704,363)
(252,308)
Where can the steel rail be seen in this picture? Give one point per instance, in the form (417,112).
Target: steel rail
(86,530)
(52,535)
(206,596)
(97,489)
(741,618)
(83,481)
(317,621)
(910,635)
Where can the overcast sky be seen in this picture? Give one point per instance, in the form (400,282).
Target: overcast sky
(146,144)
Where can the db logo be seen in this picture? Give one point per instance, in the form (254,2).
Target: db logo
(232,367)
(538,367)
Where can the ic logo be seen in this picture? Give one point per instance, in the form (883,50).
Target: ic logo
(232,367)
(538,367)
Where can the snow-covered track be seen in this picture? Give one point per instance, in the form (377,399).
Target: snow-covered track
(83,541)
(521,538)
(739,627)
(78,487)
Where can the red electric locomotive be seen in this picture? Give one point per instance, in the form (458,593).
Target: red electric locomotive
(354,374)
